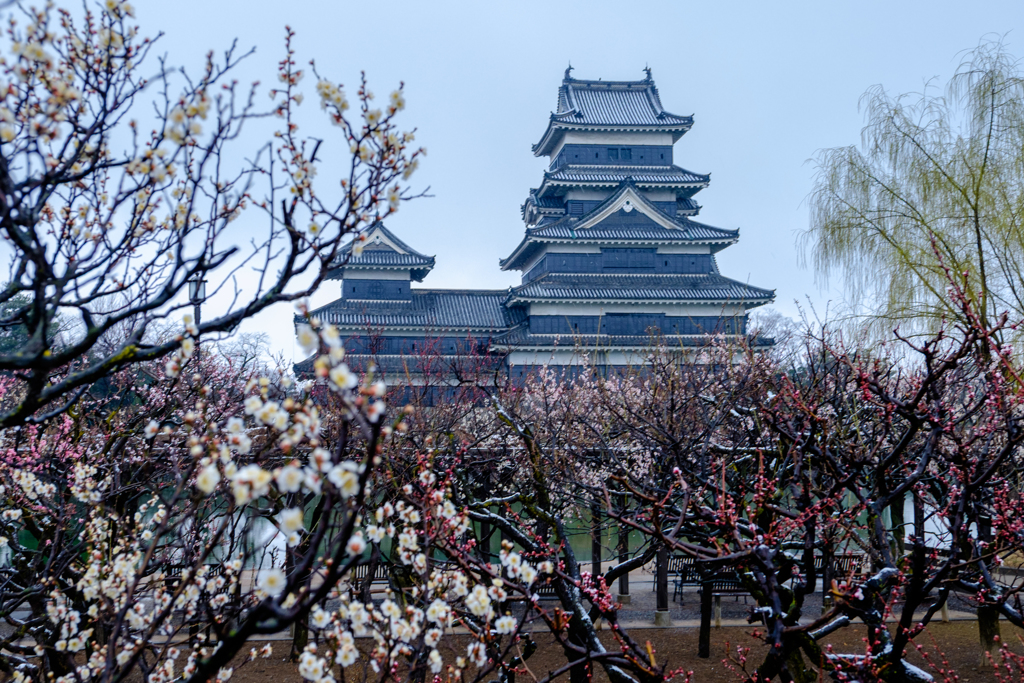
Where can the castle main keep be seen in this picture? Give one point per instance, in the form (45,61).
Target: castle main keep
(611,255)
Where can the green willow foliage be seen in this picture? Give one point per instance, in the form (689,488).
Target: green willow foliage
(936,183)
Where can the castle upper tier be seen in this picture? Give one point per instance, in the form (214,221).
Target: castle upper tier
(611,255)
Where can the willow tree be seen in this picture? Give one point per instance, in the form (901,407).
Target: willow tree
(935,189)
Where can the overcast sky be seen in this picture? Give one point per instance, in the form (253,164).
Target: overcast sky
(769,84)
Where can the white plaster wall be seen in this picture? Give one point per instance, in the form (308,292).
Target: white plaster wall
(580,137)
(685,249)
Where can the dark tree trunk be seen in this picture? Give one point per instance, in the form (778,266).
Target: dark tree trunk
(899,547)
(704,639)
(827,574)
(988,631)
(485,527)
(988,615)
(623,555)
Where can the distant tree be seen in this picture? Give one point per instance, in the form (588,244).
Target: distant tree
(13,331)
(785,333)
(935,184)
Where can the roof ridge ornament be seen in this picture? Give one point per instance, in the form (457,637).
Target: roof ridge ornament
(568,73)
(649,78)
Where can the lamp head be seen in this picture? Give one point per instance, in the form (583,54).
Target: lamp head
(197,289)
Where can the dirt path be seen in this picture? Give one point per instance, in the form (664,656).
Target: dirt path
(957,640)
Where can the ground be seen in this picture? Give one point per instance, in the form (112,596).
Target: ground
(958,640)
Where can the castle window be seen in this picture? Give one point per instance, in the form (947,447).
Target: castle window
(613,154)
(626,153)
(376,290)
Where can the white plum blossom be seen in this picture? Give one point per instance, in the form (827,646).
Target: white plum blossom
(432,637)
(291,519)
(289,479)
(477,653)
(307,338)
(252,405)
(356,544)
(320,618)
(311,667)
(505,625)
(342,378)
(320,459)
(479,602)
(272,582)
(438,612)
(345,477)
(375,410)
(208,479)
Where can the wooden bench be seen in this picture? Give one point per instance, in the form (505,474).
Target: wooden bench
(546,590)
(724,583)
(844,565)
(382,575)
(174,572)
(683,571)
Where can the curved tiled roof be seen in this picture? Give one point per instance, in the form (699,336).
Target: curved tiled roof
(636,288)
(567,228)
(689,231)
(384,256)
(612,103)
(604,105)
(535,205)
(688,207)
(431,309)
(616,174)
(546,202)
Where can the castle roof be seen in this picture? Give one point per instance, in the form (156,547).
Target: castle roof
(382,250)
(648,226)
(609,105)
(606,176)
(436,310)
(639,288)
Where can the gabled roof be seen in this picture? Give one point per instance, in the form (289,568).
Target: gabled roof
(706,288)
(687,207)
(609,176)
(659,228)
(382,250)
(609,105)
(434,310)
(536,206)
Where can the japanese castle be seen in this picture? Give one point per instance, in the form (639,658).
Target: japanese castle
(611,255)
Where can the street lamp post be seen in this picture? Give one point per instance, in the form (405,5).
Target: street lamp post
(197,294)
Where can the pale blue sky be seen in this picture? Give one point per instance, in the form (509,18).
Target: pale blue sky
(768,84)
